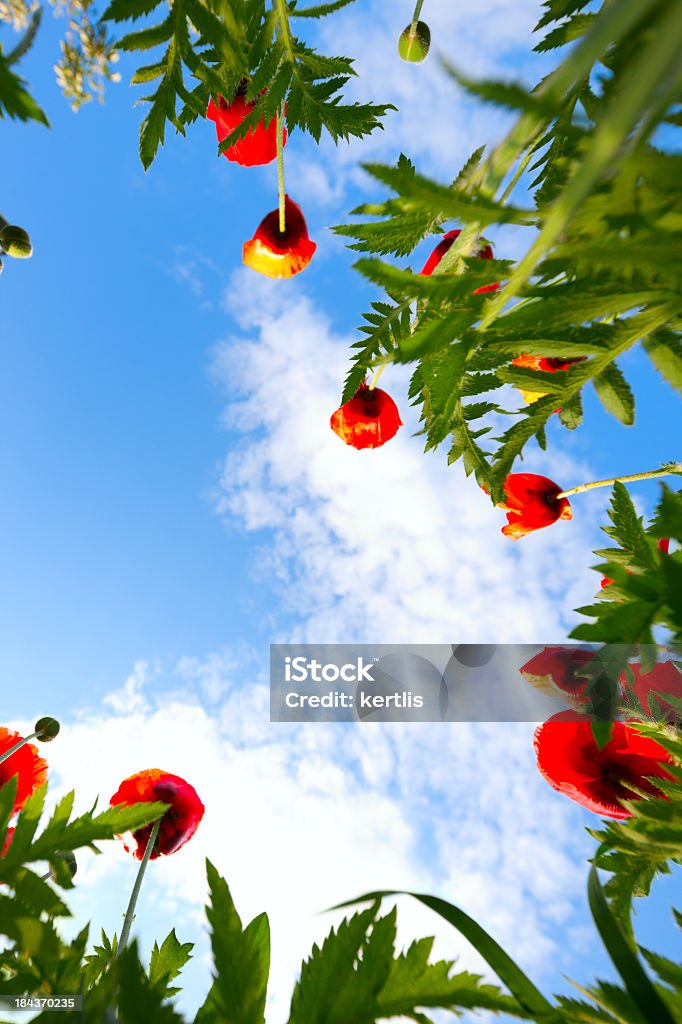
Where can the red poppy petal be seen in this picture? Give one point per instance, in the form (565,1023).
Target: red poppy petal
(178,824)
(532,504)
(368,420)
(259,145)
(276,254)
(570,760)
(26,763)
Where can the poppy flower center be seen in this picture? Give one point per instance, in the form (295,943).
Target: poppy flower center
(370,399)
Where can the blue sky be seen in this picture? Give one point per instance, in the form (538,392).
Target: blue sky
(173,501)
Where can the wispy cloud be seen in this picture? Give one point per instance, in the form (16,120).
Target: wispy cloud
(436,123)
(299,817)
(377,545)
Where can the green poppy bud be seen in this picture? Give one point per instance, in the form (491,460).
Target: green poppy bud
(46,729)
(414,46)
(16,242)
(69,859)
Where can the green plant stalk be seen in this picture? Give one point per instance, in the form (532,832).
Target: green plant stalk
(415,17)
(376,376)
(280,7)
(17,746)
(130,912)
(675,467)
(280,168)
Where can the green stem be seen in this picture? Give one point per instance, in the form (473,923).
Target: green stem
(376,376)
(415,17)
(17,746)
(675,467)
(130,912)
(515,177)
(280,6)
(280,167)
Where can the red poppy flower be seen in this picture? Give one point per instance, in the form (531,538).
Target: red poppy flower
(663,678)
(368,420)
(571,761)
(549,365)
(532,503)
(555,672)
(484,252)
(663,545)
(26,763)
(259,146)
(278,254)
(178,824)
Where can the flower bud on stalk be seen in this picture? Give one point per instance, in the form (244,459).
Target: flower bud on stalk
(414,42)
(46,729)
(16,242)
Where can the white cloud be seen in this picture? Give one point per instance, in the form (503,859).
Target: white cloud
(436,123)
(383,545)
(299,817)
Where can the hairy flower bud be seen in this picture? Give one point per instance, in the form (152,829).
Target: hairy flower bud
(46,729)
(16,242)
(414,46)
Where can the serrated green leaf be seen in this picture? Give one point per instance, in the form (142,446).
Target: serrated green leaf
(664,348)
(167,961)
(615,394)
(523,990)
(27,40)
(15,102)
(241,955)
(319,10)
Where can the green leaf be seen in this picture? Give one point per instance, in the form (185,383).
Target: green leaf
(572,29)
(385,326)
(414,982)
(27,40)
(664,348)
(667,520)
(619,948)
(100,960)
(523,990)
(571,412)
(418,192)
(167,962)
(34,937)
(15,102)
(34,894)
(668,971)
(615,394)
(505,94)
(138,999)
(241,955)
(124,10)
(331,988)
(320,10)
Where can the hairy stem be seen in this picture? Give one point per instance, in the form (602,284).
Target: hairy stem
(130,912)
(376,376)
(17,746)
(415,17)
(675,467)
(280,167)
